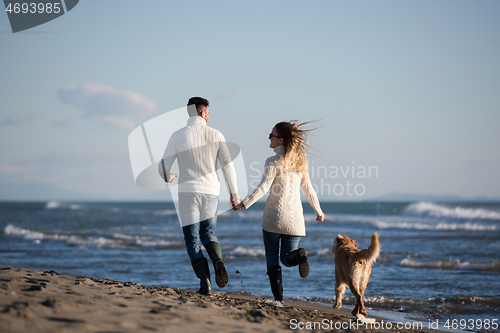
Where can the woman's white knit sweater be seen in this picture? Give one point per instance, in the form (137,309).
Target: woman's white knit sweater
(283,213)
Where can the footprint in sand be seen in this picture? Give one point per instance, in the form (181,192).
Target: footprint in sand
(37,284)
(67,320)
(33,288)
(21,309)
(50,303)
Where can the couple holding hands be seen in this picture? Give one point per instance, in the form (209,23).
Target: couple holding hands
(284,174)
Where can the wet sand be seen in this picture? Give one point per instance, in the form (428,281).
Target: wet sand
(35,301)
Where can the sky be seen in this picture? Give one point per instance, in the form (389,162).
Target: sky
(406,89)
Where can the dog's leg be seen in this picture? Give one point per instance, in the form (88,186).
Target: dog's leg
(362,309)
(339,293)
(362,287)
(359,300)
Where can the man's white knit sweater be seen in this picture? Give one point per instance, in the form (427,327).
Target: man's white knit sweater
(197,148)
(283,213)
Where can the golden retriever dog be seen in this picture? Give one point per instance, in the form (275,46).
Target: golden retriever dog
(353,268)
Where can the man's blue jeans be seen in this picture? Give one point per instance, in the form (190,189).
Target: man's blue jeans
(272,246)
(198,214)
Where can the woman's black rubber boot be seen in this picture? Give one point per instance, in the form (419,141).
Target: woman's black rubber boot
(299,257)
(276,281)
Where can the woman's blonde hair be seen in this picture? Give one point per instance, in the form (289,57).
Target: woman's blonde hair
(296,142)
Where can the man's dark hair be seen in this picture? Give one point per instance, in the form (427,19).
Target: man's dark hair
(200,104)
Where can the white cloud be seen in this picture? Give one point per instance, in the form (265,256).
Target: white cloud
(120,122)
(111,106)
(222,96)
(64,123)
(16,119)
(7,168)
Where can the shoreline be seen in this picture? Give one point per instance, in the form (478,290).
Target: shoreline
(46,301)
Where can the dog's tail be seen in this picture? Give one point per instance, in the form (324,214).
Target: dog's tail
(372,252)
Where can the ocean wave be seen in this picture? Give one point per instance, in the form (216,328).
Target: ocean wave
(324,252)
(429,209)
(53,205)
(308,217)
(147,241)
(456,264)
(61,205)
(245,215)
(121,241)
(245,251)
(112,210)
(11,230)
(439,226)
(58,205)
(165,212)
(402,225)
(441,305)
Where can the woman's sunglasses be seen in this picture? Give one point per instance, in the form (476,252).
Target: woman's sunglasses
(271,135)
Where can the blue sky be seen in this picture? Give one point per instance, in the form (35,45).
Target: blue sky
(409,87)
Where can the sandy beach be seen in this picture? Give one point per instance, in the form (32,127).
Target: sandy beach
(46,301)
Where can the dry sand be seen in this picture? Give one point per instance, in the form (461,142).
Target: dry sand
(33,301)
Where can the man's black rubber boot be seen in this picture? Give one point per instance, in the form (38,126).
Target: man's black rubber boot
(215,253)
(200,267)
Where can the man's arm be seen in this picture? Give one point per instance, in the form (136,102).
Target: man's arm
(227,167)
(167,160)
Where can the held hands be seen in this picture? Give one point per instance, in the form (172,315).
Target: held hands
(320,218)
(238,207)
(171,177)
(236,202)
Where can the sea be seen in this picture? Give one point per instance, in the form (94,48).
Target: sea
(439,261)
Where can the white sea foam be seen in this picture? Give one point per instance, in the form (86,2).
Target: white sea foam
(439,226)
(123,236)
(430,209)
(250,215)
(417,305)
(20,232)
(12,230)
(112,210)
(52,205)
(310,217)
(60,205)
(323,252)
(402,225)
(165,212)
(452,264)
(117,241)
(465,226)
(241,250)
(154,243)
(391,302)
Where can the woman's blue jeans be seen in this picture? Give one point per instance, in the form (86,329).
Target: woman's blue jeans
(272,246)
